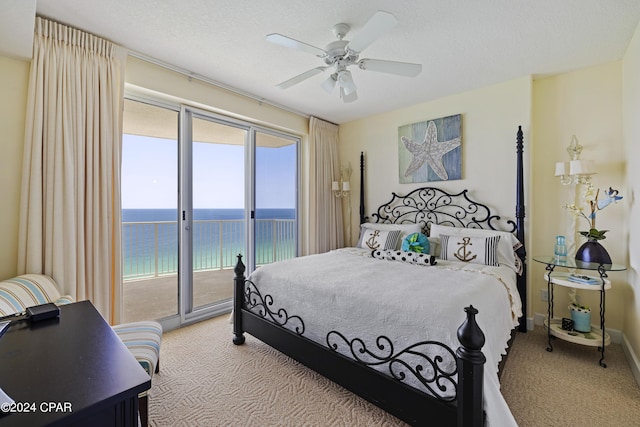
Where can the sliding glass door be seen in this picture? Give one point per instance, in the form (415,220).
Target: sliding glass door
(149,211)
(276,184)
(212,201)
(199,190)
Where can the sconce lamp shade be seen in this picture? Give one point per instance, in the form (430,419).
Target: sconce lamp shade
(581,167)
(335,186)
(561,168)
(346,186)
(576,171)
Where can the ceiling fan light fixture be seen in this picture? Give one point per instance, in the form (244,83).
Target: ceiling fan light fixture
(330,83)
(346,82)
(348,97)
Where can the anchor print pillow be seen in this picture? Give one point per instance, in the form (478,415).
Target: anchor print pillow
(506,247)
(373,238)
(476,250)
(405,230)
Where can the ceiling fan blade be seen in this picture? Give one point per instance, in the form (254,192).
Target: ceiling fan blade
(300,77)
(391,67)
(379,24)
(295,44)
(353,96)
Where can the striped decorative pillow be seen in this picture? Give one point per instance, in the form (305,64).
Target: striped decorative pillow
(477,250)
(24,291)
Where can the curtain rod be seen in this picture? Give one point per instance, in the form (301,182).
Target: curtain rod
(204,79)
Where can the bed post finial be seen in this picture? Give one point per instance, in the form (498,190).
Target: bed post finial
(470,371)
(520,214)
(238,296)
(363,218)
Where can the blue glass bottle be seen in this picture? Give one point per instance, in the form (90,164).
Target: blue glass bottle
(560,250)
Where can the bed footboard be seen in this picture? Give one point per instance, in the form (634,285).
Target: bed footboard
(407,403)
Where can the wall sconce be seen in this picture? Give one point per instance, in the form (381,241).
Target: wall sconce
(342,188)
(575,171)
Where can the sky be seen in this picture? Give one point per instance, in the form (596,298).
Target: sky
(150,175)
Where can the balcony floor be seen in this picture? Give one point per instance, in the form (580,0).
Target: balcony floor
(155,298)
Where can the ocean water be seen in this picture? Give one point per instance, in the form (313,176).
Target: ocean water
(150,239)
(143,215)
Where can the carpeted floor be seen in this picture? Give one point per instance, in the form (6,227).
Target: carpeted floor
(205,380)
(567,386)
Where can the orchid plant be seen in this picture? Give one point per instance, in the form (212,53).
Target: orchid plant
(595,205)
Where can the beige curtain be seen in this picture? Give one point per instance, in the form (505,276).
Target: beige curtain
(70,207)
(325,209)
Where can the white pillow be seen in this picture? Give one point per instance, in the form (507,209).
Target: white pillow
(506,247)
(375,238)
(405,230)
(476,250)
(434,246)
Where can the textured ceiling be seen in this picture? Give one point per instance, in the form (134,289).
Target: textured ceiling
(462,45)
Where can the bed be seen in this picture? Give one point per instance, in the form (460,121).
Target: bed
(403,328)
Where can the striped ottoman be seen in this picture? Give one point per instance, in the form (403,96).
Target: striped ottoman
(143,341)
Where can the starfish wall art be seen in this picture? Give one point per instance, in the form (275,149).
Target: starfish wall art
(430,150)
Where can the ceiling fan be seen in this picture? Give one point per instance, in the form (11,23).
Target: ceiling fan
(340,54)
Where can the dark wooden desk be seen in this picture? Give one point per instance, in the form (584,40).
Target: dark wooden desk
(74,371)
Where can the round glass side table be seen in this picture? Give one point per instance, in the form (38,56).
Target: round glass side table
(601,283)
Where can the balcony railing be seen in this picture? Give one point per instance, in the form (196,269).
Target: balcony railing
(150,249)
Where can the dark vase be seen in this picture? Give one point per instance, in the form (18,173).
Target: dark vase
(592,251)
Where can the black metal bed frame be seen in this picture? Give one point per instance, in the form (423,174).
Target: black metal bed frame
(258,315)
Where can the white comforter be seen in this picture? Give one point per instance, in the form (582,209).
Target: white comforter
(361,297)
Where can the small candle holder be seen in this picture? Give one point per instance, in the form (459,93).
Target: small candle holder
(560,250)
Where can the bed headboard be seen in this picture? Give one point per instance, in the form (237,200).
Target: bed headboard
(430,205)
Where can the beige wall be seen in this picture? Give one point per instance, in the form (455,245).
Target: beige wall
(14,76)
(631,135)
(587,103)
(490,119)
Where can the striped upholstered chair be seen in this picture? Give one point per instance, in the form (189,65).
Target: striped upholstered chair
(141,338)
(28,290)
